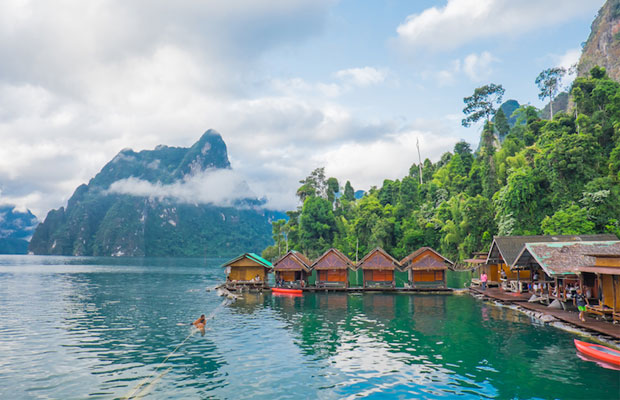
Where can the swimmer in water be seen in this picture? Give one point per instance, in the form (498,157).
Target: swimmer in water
(200,324)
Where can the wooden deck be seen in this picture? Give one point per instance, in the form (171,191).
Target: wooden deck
(571,317)
(501,295)
(591,324)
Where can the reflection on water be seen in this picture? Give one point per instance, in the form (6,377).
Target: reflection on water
(100,328)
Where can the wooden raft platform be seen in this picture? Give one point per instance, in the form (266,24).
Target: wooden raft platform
(499,294)
(571,317)
(591,324)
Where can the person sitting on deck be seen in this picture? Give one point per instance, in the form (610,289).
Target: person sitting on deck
(200,324)
(503,274)
(581,301)
(484,278)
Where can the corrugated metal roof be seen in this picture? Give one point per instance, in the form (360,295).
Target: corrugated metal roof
(509,247)
(564,258)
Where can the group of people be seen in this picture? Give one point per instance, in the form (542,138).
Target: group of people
(576,293)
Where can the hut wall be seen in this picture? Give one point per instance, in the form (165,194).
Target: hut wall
(427,276)
(332,275)
(356,278)
(608,291)
(400,278)
(287,276)
(312,278)
(238,273)
(379,275)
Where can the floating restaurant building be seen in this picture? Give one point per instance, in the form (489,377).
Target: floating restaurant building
(559,267)
(504,251)
(426,268)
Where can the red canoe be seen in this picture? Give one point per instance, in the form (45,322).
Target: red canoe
(287,291)
(599,352)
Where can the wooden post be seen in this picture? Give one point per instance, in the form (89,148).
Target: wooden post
(613,286)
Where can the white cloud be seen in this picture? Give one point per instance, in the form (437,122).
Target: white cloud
(368,164)
(478,67)
(365,76)
(222,187)
(464,21)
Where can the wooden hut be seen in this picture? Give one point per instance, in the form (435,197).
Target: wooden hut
(605,274)
(505,249)
(478,263)
(292,270)
(332,269)
(247,270)
(426,268)
(561,263)
(378,269)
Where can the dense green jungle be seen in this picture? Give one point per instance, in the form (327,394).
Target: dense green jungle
(529,176)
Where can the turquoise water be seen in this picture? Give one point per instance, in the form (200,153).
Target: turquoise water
(98,328)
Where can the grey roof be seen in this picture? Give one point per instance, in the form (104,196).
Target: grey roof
(564,258)
(509,247)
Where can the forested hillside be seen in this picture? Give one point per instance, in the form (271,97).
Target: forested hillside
(557,176)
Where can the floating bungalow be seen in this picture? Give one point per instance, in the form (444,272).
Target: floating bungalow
(505,249)
(605,272)
(426,269)
(248,270)
(332,270)
(378,269)
(292,270)
(558,267)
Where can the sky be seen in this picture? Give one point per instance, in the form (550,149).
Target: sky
(291,85)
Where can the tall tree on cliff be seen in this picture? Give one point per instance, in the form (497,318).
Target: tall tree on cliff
(482,104)
(548,81)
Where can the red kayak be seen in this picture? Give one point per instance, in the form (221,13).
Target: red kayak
(599,352)
(286,291)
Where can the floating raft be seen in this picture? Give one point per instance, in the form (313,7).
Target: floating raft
(286,291)
(599,352)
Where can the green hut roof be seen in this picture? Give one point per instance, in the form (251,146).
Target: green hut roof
(251,256)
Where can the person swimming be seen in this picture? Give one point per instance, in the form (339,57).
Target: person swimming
(200,324)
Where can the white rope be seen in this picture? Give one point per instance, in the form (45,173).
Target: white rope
(136,393)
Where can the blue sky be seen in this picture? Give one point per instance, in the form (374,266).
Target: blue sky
(291,85)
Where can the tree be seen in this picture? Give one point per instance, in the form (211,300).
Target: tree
(548,81)
(572,220)
(349,192)
(482,103)
(501,123)
(333,187)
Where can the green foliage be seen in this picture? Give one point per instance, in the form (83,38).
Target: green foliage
(572,220)
(482,103)
(547,176)
(548,81)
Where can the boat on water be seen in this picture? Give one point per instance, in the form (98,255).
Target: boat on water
(599,352)
(286,291)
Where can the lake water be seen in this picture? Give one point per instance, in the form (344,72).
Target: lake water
(74,328)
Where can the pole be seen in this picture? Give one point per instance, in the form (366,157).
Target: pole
(417,143)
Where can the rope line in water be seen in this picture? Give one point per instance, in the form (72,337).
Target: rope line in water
(136,393)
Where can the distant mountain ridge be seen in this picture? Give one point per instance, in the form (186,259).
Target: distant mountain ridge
(16,228)
(102,222)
